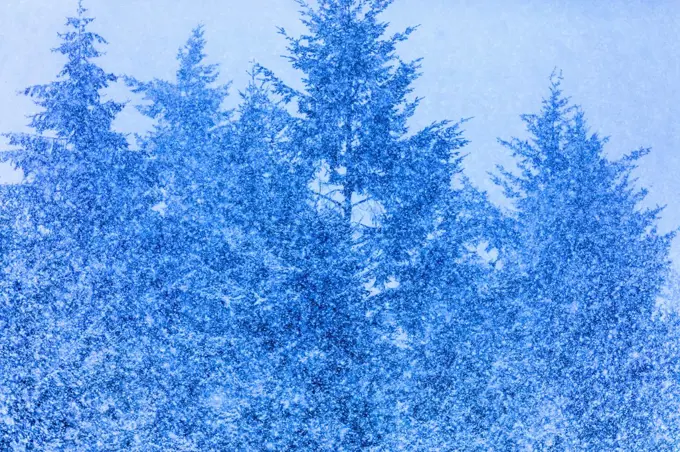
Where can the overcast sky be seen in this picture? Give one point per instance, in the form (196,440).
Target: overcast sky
(487,59)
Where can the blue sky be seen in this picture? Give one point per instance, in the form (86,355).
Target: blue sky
(489,59)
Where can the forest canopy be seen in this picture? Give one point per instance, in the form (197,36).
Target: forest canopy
(307,271)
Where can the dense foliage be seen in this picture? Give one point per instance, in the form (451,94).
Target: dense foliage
(306,272)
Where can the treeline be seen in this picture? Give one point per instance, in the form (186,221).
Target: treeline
(304,272)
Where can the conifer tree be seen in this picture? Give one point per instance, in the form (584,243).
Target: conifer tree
(220,254)
(355,109)
(190,261)
(187,179)
(69,275)
(590,266)
(380,191)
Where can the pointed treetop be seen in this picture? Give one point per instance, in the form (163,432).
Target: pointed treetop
(190,56)
(562,157)
(80,21)
(73,104)
(192,102)
(81,9)
(79,44)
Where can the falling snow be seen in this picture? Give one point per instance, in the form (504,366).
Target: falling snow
(307,271)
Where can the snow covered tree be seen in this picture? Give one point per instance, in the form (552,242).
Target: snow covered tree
(383,193)
(68,282)
(220,254)
(187,181)
(586,351)
(354,132)
(191,258)
(306,272)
